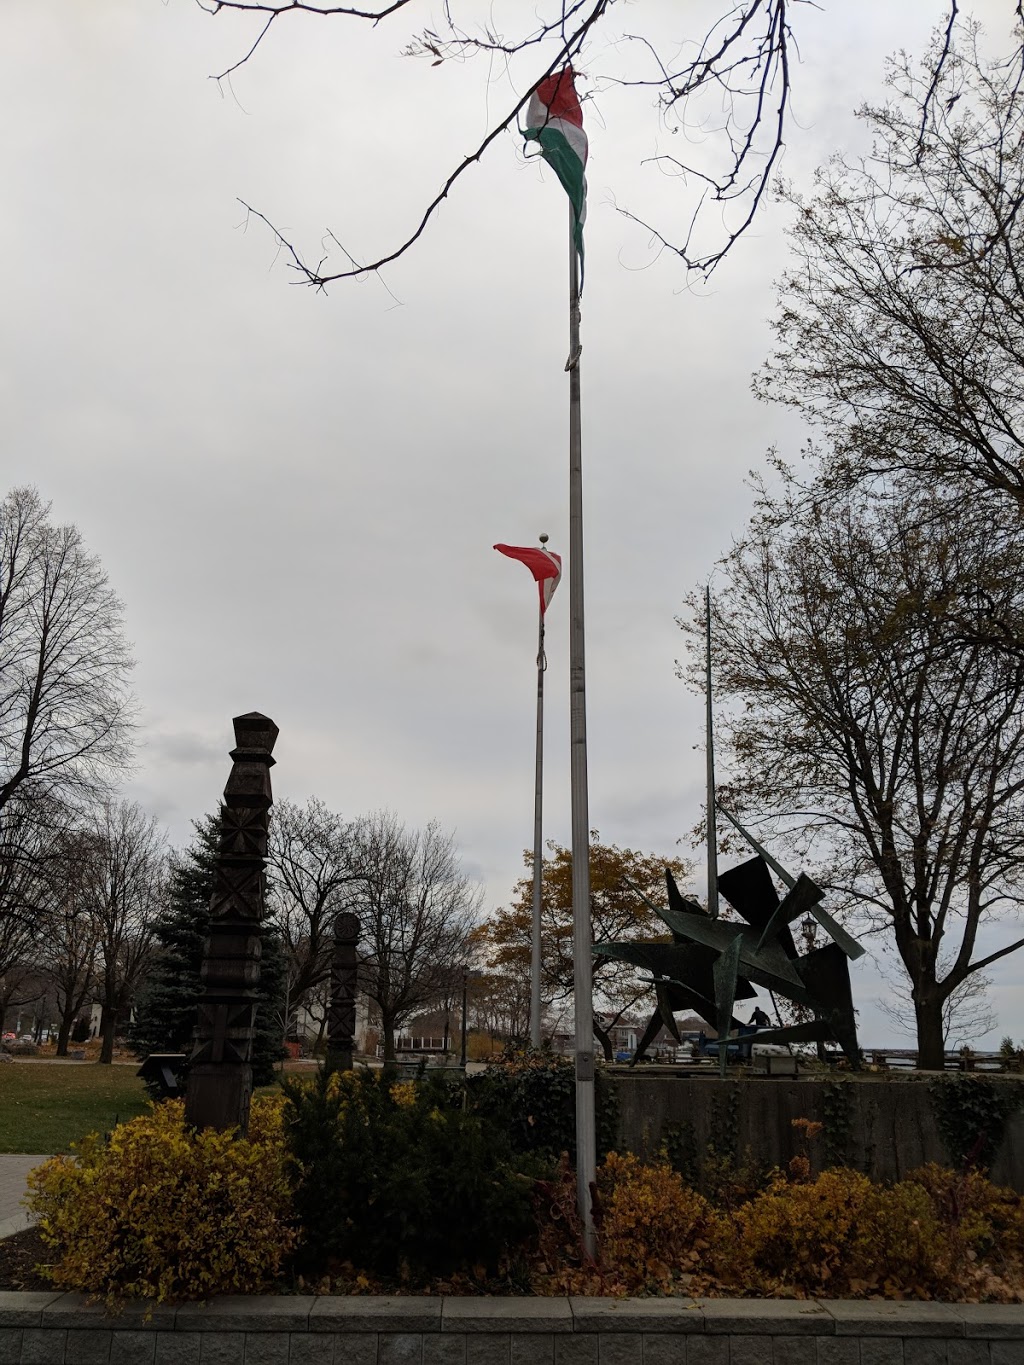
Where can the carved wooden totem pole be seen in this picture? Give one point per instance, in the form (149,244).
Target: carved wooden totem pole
(341,1021)
(220,1067)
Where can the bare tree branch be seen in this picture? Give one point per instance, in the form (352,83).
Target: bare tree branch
(938,68)
(745,58)
(274,11)
(316,277)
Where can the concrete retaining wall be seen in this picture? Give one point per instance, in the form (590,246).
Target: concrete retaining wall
(891,1125)
(54,1329)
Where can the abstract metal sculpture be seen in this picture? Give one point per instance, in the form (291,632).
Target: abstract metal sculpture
(220,1071)
(713,962)
(341,1016)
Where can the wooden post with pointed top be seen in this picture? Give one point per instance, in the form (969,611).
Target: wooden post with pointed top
(341,1016)
(220,1068)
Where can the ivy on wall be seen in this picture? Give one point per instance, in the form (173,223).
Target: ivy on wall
(836,1120)
(971,1113)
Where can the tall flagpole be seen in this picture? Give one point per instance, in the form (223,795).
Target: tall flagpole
(712,811)
(586,1139)
(538,831)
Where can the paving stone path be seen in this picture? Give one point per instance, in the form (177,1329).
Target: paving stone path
(13,1173)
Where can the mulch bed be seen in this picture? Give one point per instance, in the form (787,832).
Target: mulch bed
(19,1256)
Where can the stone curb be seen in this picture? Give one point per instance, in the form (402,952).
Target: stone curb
(766,1317)
(247,1313)
(334,1313)
(24,1309)
(860,1318)
(507,1315)
(425,1314)
(636,1315)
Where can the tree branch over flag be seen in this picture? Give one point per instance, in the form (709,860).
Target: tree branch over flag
(733,83)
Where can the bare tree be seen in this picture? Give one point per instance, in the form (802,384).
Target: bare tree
(65,718)
(416,908)
(894,751)
(901,324)
(733,81)
(499,1004)
(23,850)
(30,828)
(967,1013)
(125,883)
(309,873)
(69,943)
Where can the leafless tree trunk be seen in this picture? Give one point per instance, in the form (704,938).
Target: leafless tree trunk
(30,829)
(125,884)
(70,942)
(416,910)
(309,877)
(65,716)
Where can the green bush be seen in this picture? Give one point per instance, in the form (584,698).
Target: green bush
(530,1097)
(394,1180)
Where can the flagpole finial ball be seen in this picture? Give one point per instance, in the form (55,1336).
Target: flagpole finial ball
(544,537)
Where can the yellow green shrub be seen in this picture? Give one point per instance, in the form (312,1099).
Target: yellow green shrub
(654,1227)
(903,1248)
(163,1211)
(797,1236)
(988,1218)
(842,1235)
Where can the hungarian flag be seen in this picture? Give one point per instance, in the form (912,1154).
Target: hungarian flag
(545,566)
(554,119)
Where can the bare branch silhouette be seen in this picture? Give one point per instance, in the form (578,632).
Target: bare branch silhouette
(746,60)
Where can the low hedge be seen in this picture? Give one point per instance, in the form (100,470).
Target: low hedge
(363,1184)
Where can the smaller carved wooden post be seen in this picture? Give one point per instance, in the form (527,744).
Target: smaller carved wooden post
(341,1021)
(220,1067)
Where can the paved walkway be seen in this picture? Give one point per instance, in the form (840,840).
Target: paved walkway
(13,1171)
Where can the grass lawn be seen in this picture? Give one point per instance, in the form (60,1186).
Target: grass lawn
(45,1108)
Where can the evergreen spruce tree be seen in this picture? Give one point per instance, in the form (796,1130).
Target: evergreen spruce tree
(165,1013)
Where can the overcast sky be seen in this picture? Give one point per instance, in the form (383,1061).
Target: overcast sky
(296,495)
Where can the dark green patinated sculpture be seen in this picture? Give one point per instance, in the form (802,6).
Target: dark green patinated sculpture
(712,963)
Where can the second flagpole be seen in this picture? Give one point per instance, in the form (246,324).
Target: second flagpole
(538,833)
(586,1138)
(712,809)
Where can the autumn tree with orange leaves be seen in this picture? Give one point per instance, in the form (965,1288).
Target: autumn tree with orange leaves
(617,912)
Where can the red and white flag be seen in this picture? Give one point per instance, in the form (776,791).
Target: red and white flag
(545,566)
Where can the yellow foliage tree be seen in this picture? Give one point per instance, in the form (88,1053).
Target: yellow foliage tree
(617,912)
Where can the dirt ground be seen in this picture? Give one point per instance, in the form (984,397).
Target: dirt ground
(19,1256)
